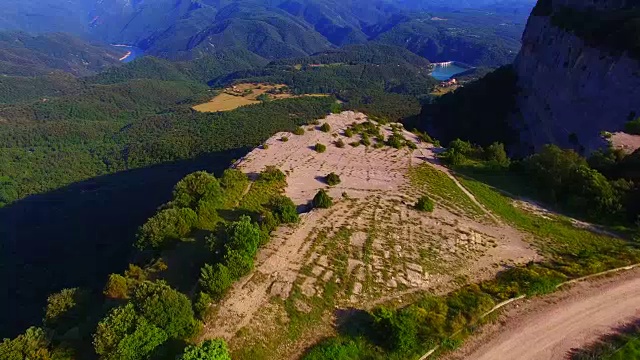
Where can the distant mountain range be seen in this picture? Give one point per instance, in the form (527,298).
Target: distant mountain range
(481,33)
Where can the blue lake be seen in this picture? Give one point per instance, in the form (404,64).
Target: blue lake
(446,72)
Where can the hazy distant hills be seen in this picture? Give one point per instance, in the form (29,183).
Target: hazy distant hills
(486,34)
(23,54)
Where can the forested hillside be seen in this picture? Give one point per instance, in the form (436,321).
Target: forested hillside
(180,30)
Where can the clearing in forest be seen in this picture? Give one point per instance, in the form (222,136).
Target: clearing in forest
(371,247)
(239,95)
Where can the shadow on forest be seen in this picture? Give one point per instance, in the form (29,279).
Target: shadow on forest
(78,234)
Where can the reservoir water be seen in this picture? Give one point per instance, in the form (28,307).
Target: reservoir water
(133,54)
(446,72)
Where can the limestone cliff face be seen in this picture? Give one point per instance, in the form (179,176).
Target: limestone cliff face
(570,91)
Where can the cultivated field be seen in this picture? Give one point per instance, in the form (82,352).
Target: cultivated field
(245,94)
(371,247)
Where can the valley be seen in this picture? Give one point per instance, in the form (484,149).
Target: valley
(319,179)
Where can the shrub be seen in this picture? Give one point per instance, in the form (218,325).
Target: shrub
(322,200)
(355,143)
(284,139)
(365,140)
(201,305)
(272,174)
(298,131)
(325,127)
(348,132)
(339,143)
(283,209)
(332,179)
(320,148)
(215,349)
(396,141)
(425,204)
(265,146)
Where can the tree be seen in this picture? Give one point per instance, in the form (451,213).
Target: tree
(141,342)
(215,349)
(233,178)
(168,224)
(496,155)
(425,204)
(120,322)
(32,345)
(325,127)
(320,148)
(215,280)
(65,308)
(633,127)
(332,179)
(322,200)
(263,98)
(117,287)
(166,308)
(195,187)
(283,209)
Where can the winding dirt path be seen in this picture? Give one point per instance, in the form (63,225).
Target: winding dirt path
(550,327)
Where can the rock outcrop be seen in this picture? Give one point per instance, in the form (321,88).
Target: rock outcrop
(570,91)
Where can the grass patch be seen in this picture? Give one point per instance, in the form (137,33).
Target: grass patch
(575,251)
(439,186)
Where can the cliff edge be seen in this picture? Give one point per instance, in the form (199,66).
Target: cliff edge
(577,78)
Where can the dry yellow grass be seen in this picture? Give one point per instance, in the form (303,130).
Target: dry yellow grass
(243,94)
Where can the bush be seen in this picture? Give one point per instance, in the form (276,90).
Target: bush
(298,131)
(348,132)
(201,305)
(272,174)
(322,200)
(396,141)
(320,148)
(265,146)
(284,139)
(339,143)
(425,204)
(209,350)
(332,179)
(325,127)
(336,108)
(283,209)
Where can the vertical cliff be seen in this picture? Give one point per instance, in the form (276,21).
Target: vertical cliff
(574,85)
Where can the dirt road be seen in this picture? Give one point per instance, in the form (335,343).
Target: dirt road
(550,328)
